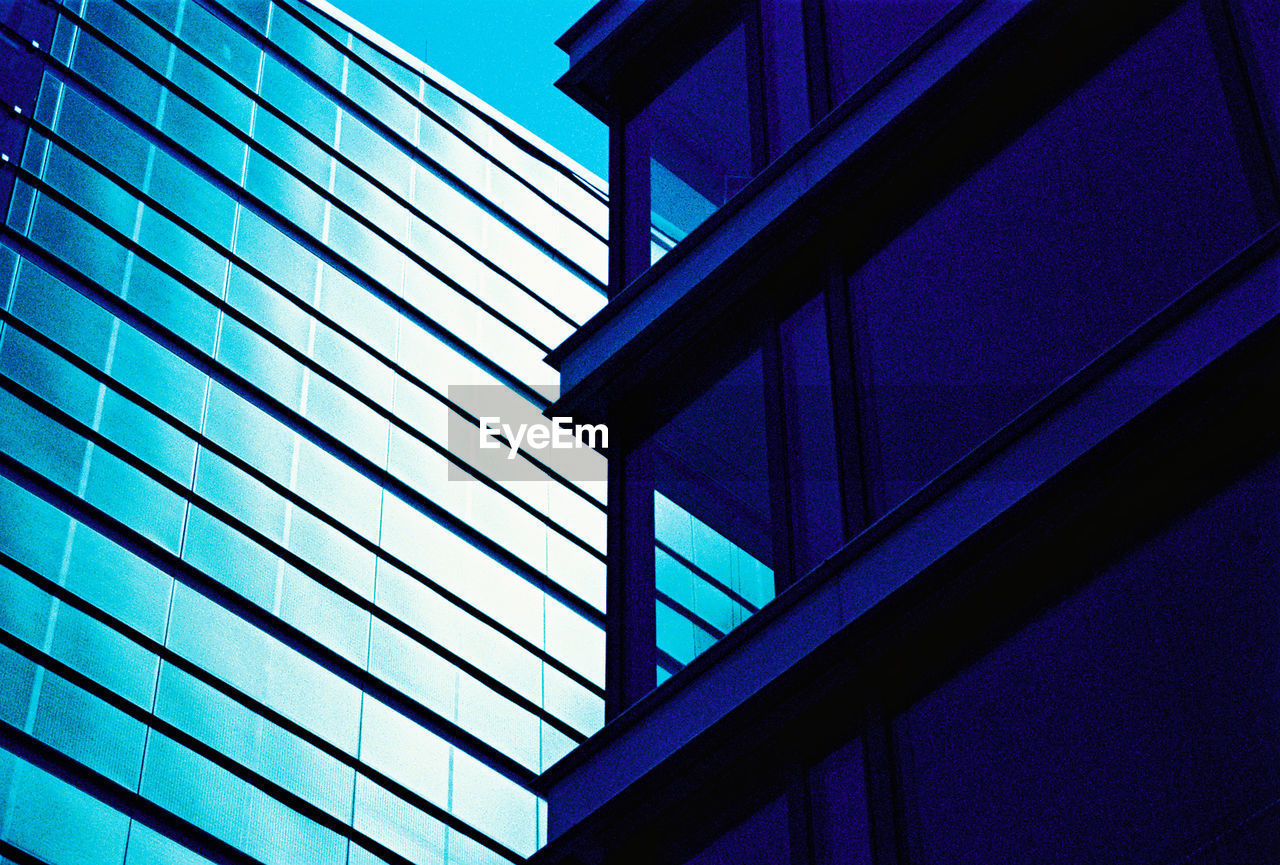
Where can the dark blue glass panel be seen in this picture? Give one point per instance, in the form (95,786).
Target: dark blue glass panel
(712,521)
(697,134)
(1132,722)
(1111,205)
(838,808)
(1258,22)
(816,515)
(761,839)
(864,35)
(786,82)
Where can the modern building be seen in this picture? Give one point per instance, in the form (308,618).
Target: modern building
(945,473)
(253,606)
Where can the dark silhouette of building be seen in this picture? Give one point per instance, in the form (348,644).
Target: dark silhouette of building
(941,373)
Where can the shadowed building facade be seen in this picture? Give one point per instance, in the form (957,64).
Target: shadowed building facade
(252,606)
(940,368)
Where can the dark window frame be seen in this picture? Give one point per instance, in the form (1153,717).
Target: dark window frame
(630,667)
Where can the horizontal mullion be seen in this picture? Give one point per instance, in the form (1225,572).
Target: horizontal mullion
(255,327)
(320,250)
(324,319)
(668,663)
(716,584)
(251,393)
(296,499)
(328,149)
(412,101)
(281,794)
(190,668)
(286,555)
(318,189)
(301,642)
(527,147)
(132,804)
(686,613)
(416,155)
(18,855)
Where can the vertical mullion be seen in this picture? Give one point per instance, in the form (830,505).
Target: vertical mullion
(631,632)
(799,812)
(1246,117)
(851,449)
(776,424)
(887,841)
(817,67)
(753,24)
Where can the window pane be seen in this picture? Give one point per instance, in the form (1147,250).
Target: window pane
(712,521)
(761,839)
(697,135)
(786,82)
(864,35)
(1112,204)
(816,512)
(1134,721)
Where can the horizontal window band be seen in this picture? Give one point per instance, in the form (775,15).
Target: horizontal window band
(313,247)
(167,655)
(289,635)
(304,427)
(277,342)
(685,613)
(328,149)
(381,77)
(297,500)
(289,557)
(284,796)
(502,130)
(31,750)
(715,583)
(399,246)
(248,267)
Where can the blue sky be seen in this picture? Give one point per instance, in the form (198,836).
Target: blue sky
(503,51)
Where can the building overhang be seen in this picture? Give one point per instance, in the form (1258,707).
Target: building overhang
(947,103)
(613,46)
(1188,393)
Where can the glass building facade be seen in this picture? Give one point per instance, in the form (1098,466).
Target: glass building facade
(248,610)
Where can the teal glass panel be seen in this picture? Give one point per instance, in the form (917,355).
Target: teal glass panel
(383,102)
(406,752)
(149,847)
(285,194)
(278,137)
(88,730)
(37,441)
(161,297)
(298,99)
(306,46)
(229,557)
(99,134)
(118,582)
(397,824)
(216,719)
(40,537)
(214,92)
(117,77)
(264,669)
(217,42)
(103,654)
(192,197)
(40,807)
(70,239)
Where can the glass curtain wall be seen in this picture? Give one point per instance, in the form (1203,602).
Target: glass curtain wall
(246,615)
